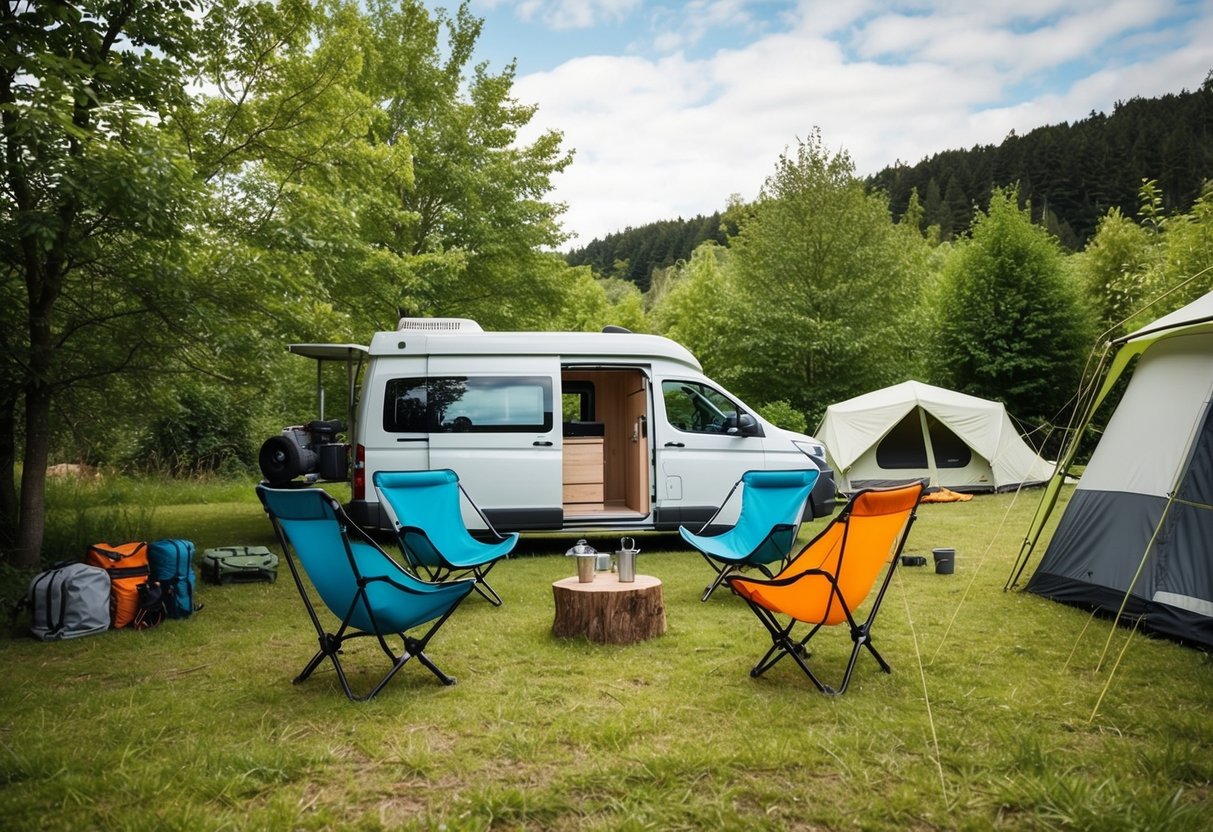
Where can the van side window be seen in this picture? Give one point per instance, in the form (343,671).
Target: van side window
(459,404)
(578,401)
(696,408)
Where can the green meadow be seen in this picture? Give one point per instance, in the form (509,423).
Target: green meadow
(1003,710)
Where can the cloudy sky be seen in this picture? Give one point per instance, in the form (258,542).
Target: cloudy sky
(673,106)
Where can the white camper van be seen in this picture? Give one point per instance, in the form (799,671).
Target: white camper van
(546,430)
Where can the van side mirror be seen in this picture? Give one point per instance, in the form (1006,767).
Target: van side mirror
(747,425)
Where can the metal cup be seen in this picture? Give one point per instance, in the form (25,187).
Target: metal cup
(585,567)
(626,559)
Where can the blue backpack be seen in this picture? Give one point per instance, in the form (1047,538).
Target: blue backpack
(172,564)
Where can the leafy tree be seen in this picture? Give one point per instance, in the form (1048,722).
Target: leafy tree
(638,254)
(826,285)
(1186,267)
(1012,325)
(1135,273)
(1114,269)
(471,234)
(1073,173)
(200,430)
(781,413)
(594,303)
(695,308)
(95,207)
(626,304)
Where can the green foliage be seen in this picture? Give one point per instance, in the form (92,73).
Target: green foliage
(343,164)
(200,430)
(782,414)
(1114,268)
(637,254)
(1186,265)
(695,303)
(471,233)
(1135,273)
(826,288)
(1012,325)
(97,214)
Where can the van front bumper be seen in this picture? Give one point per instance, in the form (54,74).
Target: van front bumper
(822,498)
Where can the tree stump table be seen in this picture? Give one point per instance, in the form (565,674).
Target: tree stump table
(607,611)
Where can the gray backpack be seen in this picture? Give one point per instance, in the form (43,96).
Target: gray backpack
(69,600)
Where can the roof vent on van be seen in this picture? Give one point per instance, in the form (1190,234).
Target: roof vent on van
(439,325)
(616,328)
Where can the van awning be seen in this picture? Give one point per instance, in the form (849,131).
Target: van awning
(329,352)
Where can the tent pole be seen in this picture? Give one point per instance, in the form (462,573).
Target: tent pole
(1048,500)
(926,442)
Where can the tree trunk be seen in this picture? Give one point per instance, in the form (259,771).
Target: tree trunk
(32,526)
(9,505)
(607,611)
(43,287)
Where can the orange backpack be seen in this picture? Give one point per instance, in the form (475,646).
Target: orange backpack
(128,568)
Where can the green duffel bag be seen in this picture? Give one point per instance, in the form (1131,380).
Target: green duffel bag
(239,564)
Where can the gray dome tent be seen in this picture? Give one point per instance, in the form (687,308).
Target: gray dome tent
(1136,539)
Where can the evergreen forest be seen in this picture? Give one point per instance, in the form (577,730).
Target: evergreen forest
(188,187)
(1071,175)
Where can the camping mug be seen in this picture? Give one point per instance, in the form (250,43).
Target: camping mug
(585,567)
(626,558)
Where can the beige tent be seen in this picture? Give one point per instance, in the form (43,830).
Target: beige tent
(916,431)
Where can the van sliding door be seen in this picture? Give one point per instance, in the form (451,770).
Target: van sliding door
(493,422)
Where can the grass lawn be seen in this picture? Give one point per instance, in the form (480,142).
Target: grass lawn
(998,713)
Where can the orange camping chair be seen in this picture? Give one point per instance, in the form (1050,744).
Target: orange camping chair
(832,576)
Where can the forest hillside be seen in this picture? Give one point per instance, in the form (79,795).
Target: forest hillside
(1070,175)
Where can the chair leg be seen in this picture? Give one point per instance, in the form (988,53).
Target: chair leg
(800,660)
(433,668)
(482,586)
(330,646)
(487,592)
(721,574)
(862,640)
(311,666)
(783,644)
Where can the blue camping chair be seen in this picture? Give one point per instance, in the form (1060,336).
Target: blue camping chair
(772,506)
(369,592)
(425,508)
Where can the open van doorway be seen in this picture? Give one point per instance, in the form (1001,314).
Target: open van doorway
(605,424)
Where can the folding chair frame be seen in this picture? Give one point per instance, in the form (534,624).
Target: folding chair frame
(723,570)
(446,571)
(784,644)
(331,642)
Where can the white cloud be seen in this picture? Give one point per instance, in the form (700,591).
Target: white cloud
(572,14)
(657,138)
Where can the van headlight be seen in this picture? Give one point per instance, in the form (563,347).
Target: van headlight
(813,450)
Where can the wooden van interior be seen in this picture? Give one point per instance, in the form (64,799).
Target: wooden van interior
(606,472)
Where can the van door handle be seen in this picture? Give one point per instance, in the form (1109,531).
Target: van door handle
(674,445)
(542,444)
